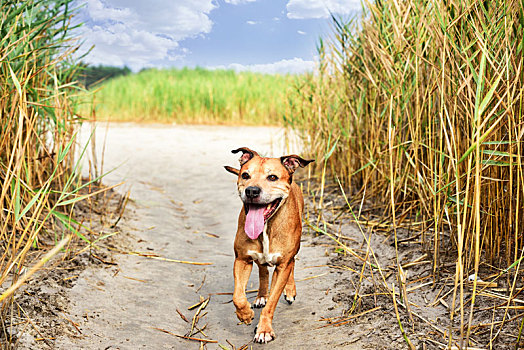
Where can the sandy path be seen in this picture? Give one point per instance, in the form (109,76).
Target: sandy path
(181,192)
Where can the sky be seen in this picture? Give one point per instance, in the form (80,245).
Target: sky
(269,36)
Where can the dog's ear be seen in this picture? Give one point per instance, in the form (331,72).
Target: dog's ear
(232,170)
(247,154)
(292,162)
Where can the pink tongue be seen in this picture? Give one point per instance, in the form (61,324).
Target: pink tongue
(254,221)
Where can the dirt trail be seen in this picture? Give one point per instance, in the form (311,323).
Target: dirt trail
(183,198)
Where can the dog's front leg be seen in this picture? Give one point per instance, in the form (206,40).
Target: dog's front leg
(241,272)
(265,332)
(263,278)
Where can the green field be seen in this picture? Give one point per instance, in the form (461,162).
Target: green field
(193,96)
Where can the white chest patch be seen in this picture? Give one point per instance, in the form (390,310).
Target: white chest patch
(265,257)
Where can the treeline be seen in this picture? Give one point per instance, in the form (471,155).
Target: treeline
(92,75)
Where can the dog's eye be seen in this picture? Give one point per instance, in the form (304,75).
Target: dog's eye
(272,178)
(246,176)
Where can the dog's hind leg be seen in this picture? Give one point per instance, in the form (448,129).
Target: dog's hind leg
(263,277)
(290,291)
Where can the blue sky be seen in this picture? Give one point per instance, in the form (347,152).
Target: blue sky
(261,35)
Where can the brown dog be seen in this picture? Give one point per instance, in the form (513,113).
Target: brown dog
(269,230)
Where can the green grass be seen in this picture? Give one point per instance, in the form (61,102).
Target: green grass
(194,96)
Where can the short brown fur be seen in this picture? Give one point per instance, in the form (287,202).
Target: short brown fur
(283,229)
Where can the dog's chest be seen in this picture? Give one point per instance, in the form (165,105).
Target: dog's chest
(264,257)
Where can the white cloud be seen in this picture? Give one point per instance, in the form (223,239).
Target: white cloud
(238,2)
(292,66)
(251,22)
(301,32)
(300,9)
(99,12)
(136,33)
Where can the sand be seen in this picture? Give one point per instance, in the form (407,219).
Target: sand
(185,206)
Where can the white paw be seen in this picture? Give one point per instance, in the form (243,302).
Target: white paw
(260,302)
(264,337)
(289,300)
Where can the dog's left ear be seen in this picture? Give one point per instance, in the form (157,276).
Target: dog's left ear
(292,162)
(232,170)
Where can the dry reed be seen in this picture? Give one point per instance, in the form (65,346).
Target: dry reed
(39,175)
(418,109)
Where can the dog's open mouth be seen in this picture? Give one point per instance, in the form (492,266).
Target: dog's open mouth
(257,215)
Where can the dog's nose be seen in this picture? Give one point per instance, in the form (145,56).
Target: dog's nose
(252,192)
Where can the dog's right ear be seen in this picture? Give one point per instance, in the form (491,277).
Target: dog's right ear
(232,170)
(247,154)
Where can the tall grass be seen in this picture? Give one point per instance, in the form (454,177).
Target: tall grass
(194,96)
(421,104)
(37,175)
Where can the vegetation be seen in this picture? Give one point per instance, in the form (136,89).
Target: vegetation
(38,174)
(194,96)
(92,75)
(418,109)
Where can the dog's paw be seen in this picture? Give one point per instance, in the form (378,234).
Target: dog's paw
(263,337)
(289,299)
(245,315)
(260,302)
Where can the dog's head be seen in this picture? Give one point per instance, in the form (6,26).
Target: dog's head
(263,185)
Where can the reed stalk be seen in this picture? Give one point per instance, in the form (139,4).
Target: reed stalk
(39,174)
(426,101)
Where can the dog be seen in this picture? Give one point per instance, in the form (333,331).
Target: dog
(269,230)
